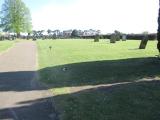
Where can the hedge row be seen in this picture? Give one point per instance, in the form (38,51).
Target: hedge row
(128,36)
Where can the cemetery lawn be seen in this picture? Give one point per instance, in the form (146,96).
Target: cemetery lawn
(101,81)
(4,45)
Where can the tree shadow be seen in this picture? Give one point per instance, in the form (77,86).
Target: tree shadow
(77,75)
(100,72)
(131,101)
(134,101)
(38,109)
(82,74)
(134,49)
(18,81)
(19,86)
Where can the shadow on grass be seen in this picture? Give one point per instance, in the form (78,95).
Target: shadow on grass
(81,74)
(130,101)
(101,72)
(134,101)
(134,49)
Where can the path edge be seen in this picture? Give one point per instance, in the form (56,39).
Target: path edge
(35,82)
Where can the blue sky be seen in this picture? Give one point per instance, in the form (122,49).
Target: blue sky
(129,16)
(36,4)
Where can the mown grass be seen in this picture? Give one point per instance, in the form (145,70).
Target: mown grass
(75,51)
(4,45)
(75,71)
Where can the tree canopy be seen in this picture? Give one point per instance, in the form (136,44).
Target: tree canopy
(15,17)
(74,33)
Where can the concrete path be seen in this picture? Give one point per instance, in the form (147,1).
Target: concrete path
(21,97)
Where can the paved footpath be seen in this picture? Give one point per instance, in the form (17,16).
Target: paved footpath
(21,97)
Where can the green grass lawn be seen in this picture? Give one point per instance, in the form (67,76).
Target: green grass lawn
(4,45)
(101,81)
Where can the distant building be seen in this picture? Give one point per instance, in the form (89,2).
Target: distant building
(91,32)
(67,33)
(80,33)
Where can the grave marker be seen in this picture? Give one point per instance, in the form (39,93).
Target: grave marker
(144,42)
(124,37)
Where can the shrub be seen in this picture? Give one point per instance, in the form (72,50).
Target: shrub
(96,38)
(113,38)
(117,35)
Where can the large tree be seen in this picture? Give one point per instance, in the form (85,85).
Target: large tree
(158,33)
(15,17)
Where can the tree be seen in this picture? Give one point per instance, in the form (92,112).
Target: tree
(158,33)
(15,17)
(74,33)
(117,35)
(49,31)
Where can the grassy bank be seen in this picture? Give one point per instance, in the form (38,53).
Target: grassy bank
(101,81)
(4,45)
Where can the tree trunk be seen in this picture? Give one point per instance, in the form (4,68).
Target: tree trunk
(18,35)
(158,33)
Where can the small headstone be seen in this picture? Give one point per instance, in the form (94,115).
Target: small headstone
(144,42)
(124,37)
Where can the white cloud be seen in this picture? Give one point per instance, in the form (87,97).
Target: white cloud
(106,15)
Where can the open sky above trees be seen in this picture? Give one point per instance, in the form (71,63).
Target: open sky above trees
(129,16)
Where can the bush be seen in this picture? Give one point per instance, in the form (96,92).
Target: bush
(113,38)
(117,35)
(96,38)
